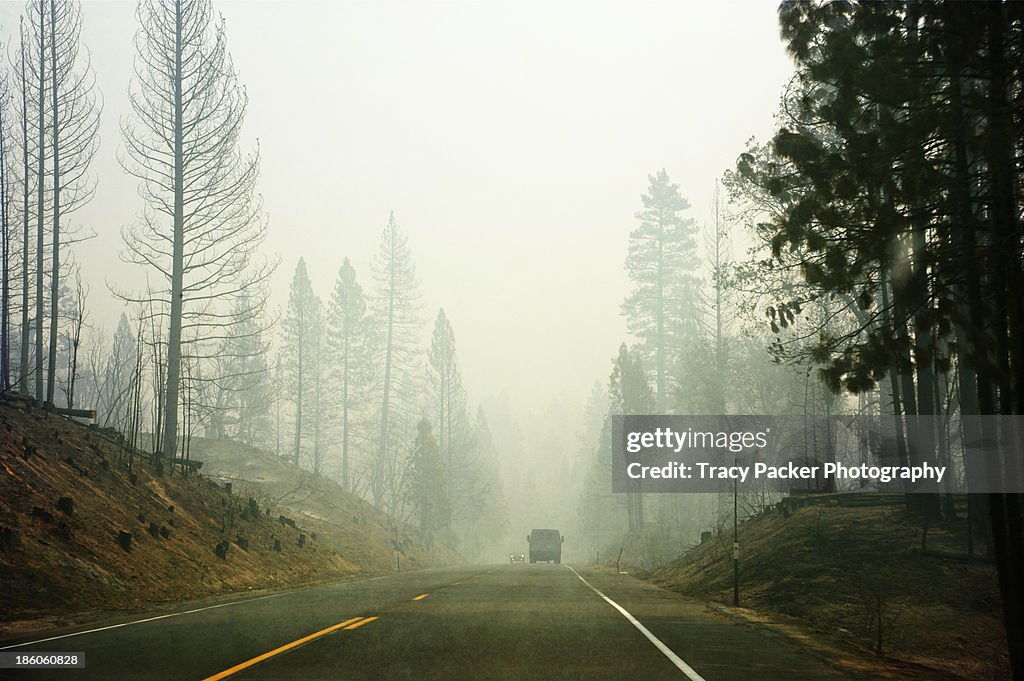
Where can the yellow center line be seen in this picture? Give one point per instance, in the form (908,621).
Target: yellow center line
(359,624)
(347,624)
(421,597)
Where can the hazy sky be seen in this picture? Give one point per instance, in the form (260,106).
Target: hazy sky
(512,140)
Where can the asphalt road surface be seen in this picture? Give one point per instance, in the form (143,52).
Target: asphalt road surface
(484,622)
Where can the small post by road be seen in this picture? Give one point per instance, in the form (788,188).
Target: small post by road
(735,543)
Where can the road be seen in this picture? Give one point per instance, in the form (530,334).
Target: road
(485,622)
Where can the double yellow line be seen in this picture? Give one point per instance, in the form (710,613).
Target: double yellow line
(353,623)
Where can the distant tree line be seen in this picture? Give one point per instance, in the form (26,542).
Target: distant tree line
(365,401)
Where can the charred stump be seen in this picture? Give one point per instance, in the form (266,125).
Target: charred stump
(66,505)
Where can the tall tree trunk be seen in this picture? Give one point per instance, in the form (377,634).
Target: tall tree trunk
(660,347)
(344,413)
(23,365)
(169,441)
(378,464)
(39,206)
(5,294)
(301,379)
(1006,508)
(967,296)
(895,375)
(55,264)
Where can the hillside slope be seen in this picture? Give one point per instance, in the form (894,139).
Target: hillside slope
(345,522)
(86,527)
(843,569)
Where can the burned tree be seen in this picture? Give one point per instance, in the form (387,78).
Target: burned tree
(202,220)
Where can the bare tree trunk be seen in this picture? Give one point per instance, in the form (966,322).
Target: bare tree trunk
(301,380)
(378,466)
(1005,509)
(23,368)
(660,348)
(169,441)
(39,206)
(344,414)
(76,341)
(55,265)
(5,294)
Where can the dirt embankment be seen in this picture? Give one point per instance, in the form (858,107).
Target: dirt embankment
(343,521)
(87,527)
(853,574)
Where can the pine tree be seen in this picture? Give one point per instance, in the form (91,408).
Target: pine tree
(897,196)
(350,348)
(445,379)
(243,385)
(630,394)
(432,502)
(396,321)
(663,310)
(299,348)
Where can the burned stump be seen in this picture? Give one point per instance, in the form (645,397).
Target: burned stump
(66,505)
(124,540)
(222,549)
(42,514)
(6,538)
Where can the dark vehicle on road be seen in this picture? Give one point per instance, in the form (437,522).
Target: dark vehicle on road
(545,545)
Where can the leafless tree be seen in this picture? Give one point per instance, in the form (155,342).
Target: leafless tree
(202,220)
(74,121)
(76,315)
(5,239)
(59,120)
(20,60)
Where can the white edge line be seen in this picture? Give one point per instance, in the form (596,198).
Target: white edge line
(665,650)
(176,614)
(142,621)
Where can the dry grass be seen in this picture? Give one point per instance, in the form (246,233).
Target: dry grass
(840,569)
(60,568)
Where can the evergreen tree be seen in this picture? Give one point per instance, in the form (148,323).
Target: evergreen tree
(350,348)
(630,394)
(663,309)
(897,196)
(243,385)
(396,321)
(299,347)
(432,502)
(446,381)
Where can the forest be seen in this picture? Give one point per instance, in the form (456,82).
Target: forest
(864,259)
